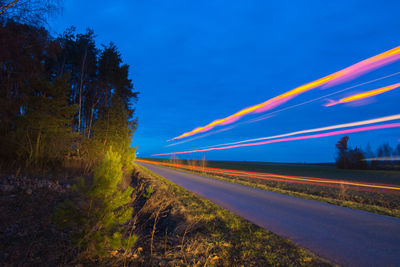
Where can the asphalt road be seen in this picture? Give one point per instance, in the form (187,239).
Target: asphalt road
(345,236)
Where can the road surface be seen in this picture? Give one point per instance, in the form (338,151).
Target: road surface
(345,236)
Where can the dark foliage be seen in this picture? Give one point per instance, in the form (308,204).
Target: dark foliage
(355,158)
(62,97)
(64,102)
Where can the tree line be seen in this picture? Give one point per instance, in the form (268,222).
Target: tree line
(63,97)
(385,156)
(63,100)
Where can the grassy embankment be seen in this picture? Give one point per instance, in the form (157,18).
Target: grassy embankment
(173,227)
(386,202)
(209,235)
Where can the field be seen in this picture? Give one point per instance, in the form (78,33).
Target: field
(375,200)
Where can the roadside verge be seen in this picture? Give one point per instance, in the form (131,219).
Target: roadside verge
(206,234)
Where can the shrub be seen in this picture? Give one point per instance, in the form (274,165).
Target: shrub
(96,216)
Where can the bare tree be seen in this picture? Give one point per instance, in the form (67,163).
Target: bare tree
(7,5)
(34,12)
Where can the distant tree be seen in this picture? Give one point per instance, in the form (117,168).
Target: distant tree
(372,162)
(348,158)
(356,159)
(369,155)
(342,159)
(342,144)
(396,153)
(384,153)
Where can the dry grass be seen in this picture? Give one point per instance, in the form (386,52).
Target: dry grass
(78,166)
(178,228)
(174,228)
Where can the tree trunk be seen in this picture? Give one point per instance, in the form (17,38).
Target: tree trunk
(37,146)
(90,122)
(80,92)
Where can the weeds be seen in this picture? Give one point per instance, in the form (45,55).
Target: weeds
(149,192)
(195,232)
(342,192)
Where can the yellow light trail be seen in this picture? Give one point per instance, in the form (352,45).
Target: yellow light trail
(364,95)
(270,114)
(341,76)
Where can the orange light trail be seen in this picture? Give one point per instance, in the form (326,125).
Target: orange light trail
(340,132)
(341,76)
(363,95)
(276,177)
(268,115)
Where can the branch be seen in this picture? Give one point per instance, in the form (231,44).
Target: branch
(7,6)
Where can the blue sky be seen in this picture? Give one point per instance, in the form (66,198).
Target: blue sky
(197,61)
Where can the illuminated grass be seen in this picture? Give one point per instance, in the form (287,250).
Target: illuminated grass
(220,238)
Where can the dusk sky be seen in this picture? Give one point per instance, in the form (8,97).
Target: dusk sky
(194,62)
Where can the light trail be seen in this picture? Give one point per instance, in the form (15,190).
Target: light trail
(364,95)
(268,115)
(341,76)
(202,136)
(345,125)
(355,130)
(276,177)
(383,159)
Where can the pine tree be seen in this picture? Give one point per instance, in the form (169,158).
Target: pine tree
(113,129)
(342,159)
(98,223)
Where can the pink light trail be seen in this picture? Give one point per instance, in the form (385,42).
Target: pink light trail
(355,130)
(333,79)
